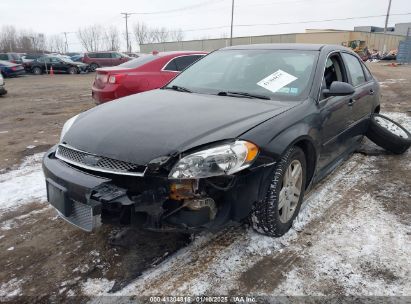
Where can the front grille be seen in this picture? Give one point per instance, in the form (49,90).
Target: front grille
(98,163)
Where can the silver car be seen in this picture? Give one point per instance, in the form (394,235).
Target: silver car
(2,85)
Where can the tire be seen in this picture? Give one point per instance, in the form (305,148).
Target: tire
(268,216)
(37,71)
(93,67)
(388,134)
(72,70)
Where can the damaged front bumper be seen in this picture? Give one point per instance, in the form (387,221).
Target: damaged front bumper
(86,198)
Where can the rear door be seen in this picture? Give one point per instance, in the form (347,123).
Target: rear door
(335,113)
(58,65)
(362,101)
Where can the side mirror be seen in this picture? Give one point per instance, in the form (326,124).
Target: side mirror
(339,88)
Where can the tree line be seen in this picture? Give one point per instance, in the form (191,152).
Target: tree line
(92,38)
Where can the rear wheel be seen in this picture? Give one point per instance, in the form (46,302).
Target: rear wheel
(72,71)
(37,71)
(275,214)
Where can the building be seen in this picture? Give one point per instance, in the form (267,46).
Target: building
(373,37)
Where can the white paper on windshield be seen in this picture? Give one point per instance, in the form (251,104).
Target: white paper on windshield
(276,81)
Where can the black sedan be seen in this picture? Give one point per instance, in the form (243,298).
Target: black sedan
(9,69)
(59,64)
(242,133)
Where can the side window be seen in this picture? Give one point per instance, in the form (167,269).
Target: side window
(92,55)
(185,61)
(355,69)
(333,71)
(41,59)
(367,72)
(4,57)
(55,60)
(105,55)
(115,55)
(171,66)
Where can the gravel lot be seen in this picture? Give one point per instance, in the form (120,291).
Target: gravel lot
(353,237)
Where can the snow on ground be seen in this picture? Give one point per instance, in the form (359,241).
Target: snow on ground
(23,185)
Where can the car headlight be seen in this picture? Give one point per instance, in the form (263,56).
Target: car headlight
(67,125)
(221,160)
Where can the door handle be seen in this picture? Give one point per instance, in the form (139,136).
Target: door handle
(371,92)
(351,102)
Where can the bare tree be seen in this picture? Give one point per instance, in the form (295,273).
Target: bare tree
(56,44)
(91,37)
(160,34)
(112,39)
(177,35)
(8,36)
(141,33)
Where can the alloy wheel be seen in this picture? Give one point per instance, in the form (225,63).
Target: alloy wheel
(290,191)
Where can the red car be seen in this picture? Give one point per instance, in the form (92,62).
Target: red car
(145,73)
(103,59)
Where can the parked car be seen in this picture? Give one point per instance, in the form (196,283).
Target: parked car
(141,74)
(30,57)
(77,58)
(134,54)
(9,69)
(71,54)
(59,64)
(104,59)
(243,132)
(3,90)
(12,57)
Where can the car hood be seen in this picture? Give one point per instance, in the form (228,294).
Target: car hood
(145,126)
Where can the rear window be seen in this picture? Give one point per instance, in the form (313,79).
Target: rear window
(138,62)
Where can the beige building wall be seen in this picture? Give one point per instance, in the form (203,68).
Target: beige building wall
(373,41)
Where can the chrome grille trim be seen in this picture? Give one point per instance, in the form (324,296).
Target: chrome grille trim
(104,164)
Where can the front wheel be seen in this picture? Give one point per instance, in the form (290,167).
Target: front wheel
(275,214)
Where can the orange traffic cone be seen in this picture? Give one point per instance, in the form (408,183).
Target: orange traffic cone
(51,71)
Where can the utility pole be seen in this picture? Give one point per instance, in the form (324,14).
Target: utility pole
(386,24)
(232,21)
(126,15)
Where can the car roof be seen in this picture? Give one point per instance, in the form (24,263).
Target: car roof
(170,53)
(285,46)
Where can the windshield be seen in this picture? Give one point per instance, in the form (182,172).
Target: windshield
(284,74)
(138,62)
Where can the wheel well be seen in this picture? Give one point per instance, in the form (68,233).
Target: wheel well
(310,157)
(377,109)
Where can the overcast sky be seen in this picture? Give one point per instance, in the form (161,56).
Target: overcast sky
(56,16)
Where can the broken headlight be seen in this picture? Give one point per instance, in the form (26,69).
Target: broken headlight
(67,125)
(221,160)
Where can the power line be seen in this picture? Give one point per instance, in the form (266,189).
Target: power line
(178,9)
(285,23)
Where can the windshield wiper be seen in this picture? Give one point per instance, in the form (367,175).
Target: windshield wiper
(243,94)
(178,88)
